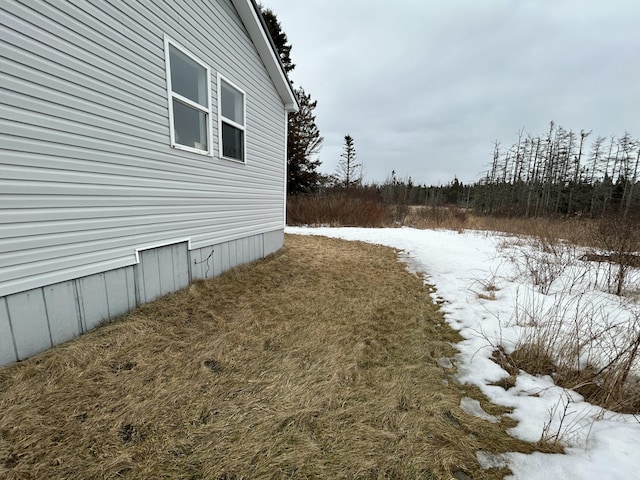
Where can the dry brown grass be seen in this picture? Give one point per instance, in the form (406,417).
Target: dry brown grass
(351,209)
(319,362)
(579,231)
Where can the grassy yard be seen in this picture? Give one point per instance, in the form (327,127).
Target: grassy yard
(323,361)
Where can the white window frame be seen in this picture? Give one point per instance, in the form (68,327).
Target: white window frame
(171,95)
(222,119)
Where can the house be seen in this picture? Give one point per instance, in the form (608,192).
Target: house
(142,146)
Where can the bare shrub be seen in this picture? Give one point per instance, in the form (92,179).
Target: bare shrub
(585,347)
(576,338)
(395,194)
(578,231)
(542,259)
(337,210)
(488,286)
(563,423)
(453,218)
(620,238)
(399,212)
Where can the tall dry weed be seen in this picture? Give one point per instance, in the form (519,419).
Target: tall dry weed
(452,218)
(619,238)
(584,345)
(571,332)
(337,210)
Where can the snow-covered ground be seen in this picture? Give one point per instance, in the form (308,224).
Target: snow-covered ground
(485,283)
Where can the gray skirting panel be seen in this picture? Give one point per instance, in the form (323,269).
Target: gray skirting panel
(37,319)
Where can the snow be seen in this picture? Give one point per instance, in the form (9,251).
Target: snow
(488,292)
(473,407)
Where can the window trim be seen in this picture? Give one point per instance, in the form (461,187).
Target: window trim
(171,95)
(221,119)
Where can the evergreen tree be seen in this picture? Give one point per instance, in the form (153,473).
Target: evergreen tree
(303,140)
(279,38)
(349,172)
(303,143)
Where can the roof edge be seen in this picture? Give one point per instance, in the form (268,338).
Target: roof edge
(257,29)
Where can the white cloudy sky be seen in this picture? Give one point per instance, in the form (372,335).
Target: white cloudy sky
(426,86)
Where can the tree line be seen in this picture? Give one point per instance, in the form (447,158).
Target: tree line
(561,173)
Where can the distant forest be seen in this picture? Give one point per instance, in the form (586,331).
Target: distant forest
(558,173)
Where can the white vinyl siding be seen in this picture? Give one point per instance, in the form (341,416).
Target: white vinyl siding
(231,120)
(87,170)
(189,98)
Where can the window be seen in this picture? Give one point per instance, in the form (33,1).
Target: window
(231,120)
(188,87)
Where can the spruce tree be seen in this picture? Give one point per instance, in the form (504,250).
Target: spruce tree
(303,139)
(349,172)
(303,143)
(279,38)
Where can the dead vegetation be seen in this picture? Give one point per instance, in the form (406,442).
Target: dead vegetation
(547,250)
(324,361)
(339,210)
(364,209)
(598,358)
(587,343)
(579,231)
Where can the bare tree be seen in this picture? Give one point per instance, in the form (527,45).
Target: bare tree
(634,178)
(555,175)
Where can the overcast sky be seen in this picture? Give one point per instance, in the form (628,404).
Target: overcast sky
(425,86)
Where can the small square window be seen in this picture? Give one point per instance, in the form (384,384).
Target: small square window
(189,126)
(232,142)
(231,120)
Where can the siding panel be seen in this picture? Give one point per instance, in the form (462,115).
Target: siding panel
(233,253)
(88,172)
(180,261)
(260,246)
(225,262)
(28,35)
(22,51)
(247,255)
(273,241)
(149,276)
(217,261)
(40,75)
(28,316)
(78,28)
(62,311)
(95,306)
(57,251)
(201,263)
(120,292)
(166,270)
(7,349)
